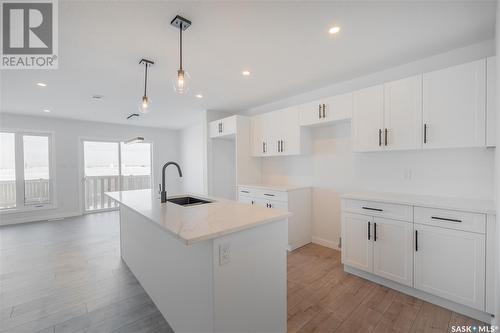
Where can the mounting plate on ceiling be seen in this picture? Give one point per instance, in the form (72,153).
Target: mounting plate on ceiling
(146,61)
(176,22)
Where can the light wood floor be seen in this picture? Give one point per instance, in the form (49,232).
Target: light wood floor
(67,276)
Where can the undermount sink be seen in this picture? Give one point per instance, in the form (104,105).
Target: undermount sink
(188,201)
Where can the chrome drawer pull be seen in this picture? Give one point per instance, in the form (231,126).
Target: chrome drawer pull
(445,219)
(375,209)
(243,191)
(269,195)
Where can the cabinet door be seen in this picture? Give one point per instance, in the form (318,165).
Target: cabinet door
(393,250)
(491,103)
(367,119)
(214,128)
(403,114)
(310,113)
(287,127)
(357,244)
(337,107)
(229,125)
(246,199)
(257,135)
(454,106)
(450,264)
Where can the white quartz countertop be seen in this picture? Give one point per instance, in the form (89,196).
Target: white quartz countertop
(462,204)
(281,188)
(200,222)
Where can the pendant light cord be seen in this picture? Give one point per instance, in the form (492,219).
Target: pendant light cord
(145,78)
(180,48)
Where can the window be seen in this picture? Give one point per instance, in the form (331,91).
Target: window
(7,171)
(25,170)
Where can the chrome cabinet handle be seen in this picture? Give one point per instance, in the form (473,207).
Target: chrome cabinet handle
(324,110)
(269,195)
(319,111)
(379,137)
(385,136)
(416,240)
(425,133)
(369,227)
(375,231)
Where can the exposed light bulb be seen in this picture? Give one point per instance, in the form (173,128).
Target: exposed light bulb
(334,30)
(144,106)
(181,82)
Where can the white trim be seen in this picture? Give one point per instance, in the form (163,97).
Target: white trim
(325,242)
(29,219)
(459,308)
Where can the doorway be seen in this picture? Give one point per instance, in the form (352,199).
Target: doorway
(113,166)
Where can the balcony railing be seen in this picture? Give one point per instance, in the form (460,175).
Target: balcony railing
(96,186)
(36,190)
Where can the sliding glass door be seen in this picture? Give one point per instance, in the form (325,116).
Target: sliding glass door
(113,166)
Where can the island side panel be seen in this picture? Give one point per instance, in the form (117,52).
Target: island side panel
(177,277)
(250,290)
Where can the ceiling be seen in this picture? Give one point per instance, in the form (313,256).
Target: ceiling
(285,45)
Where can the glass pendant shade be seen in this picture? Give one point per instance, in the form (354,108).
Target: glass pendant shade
(181,82)
(144,106)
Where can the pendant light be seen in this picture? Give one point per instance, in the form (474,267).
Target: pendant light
(144,106)
(182,79)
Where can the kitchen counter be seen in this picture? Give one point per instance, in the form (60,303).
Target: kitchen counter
(196,223)
(461,204)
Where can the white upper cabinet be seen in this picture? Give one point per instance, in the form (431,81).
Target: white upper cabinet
(326,111)
(454,106)
(388,116)
(221,128)
(491,103)
(278,133)
(403,114)
(367,119)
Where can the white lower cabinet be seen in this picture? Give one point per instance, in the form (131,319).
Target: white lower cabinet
(393,250)
(380,246)
(433,251)
(357,246)
(451,264)
(296,200)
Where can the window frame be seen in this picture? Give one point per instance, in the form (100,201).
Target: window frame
(21,206)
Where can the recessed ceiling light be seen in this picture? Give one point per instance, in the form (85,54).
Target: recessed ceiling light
(334,30)
(41,84)
(245,73)
(199,96)
(46,110)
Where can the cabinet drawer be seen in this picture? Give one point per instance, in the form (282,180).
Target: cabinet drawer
(451,219)
(262,193)
(379,209)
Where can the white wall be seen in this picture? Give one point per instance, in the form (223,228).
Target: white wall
(67,134)
(332,169)
(193,158)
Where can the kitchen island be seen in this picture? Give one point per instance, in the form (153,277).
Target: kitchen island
(210,267)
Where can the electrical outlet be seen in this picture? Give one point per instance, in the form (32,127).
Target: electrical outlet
(224,254)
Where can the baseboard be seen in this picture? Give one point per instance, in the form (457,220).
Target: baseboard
(325,242)
(459,308)
(11,220)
